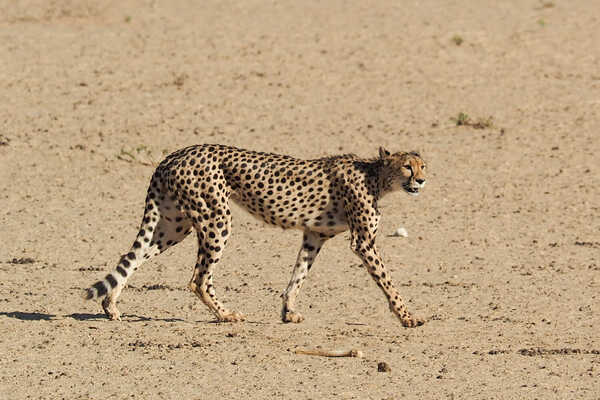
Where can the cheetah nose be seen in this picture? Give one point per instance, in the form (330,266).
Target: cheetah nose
(420,181)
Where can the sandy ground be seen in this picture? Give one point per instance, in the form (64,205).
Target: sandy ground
(502,256)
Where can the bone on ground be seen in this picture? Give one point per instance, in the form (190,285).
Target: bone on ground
(331,353)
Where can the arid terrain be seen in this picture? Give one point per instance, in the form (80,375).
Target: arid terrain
(503,250)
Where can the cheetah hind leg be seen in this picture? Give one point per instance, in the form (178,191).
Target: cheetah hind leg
(163,226)
(202,285)
(311,245)
(211,242)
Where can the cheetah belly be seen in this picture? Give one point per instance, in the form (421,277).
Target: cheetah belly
(328,229)
(265,214)
(330,221)
(327,223)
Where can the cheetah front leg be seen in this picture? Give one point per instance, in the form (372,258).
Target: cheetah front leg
(372,261)
(363,232)
(311,245)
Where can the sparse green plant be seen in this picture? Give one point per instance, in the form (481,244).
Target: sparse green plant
(463,119)
(457,39)
(139,155)
(484,123)
(128,18)
(541,22)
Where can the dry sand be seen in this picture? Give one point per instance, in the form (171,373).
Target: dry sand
(502,253)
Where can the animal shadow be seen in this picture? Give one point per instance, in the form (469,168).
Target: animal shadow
(86,316)
(28,316)
(34,316)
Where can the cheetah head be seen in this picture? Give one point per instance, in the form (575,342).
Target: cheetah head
(402,171)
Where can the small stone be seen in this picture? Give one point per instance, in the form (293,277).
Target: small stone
(383,367)
(402,232)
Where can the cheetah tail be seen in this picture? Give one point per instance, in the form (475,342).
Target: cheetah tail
(142,249)
(106,285)
(118,277)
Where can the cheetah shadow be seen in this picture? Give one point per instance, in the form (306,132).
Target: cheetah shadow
(26,316)
(139,318)
(87,316)
(124,318)
(35,316)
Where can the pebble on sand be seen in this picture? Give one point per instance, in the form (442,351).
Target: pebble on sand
(383,367)
(400,232)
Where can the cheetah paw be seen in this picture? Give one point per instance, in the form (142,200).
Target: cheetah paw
(291,316)
(411,322)
(115,317)
(111,311)
(232,316)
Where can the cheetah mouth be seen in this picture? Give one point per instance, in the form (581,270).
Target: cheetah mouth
(411,190)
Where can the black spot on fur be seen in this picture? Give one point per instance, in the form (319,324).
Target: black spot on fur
(100,288)
(111,279)
(309,247)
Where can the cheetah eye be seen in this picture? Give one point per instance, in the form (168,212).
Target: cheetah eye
(408,167)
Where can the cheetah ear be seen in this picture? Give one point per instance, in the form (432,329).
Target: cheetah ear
(383,153)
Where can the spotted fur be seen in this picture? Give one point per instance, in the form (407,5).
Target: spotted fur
(190,190)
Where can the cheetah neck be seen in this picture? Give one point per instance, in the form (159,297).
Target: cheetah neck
(384,180)
(376,178)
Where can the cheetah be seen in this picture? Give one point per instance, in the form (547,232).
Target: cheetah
(190,191)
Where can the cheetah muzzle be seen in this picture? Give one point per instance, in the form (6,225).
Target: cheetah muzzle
(191,189)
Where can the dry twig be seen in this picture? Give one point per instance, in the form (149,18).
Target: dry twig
(331,353)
